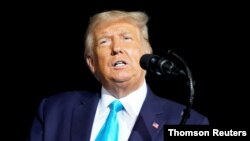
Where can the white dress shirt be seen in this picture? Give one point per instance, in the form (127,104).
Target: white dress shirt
(132,104)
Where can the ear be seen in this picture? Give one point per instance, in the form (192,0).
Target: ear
(90,63)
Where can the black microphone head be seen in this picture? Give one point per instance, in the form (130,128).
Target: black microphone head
(149,61)
(159,65)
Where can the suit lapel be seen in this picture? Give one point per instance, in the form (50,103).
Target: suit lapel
(82,119)
(149,124)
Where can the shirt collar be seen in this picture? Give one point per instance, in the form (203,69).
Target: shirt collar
(132,102)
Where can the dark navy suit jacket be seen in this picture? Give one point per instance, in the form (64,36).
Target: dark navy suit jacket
(69,117)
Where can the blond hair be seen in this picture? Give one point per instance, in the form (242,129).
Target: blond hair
(139,18)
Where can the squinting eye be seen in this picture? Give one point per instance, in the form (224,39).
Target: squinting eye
(103,41)
(127,38)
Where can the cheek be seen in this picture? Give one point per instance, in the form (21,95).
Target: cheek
(136,56)
(102,52)
(102,59)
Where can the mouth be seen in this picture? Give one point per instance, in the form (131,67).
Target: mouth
(119,63)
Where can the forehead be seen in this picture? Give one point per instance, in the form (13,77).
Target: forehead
(119,26)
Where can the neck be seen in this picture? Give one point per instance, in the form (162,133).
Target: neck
(120,90)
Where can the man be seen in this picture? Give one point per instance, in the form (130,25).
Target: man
(115,42)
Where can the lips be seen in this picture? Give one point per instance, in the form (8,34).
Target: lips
(119,63)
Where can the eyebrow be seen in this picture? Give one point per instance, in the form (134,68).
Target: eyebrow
(126,33)
(106,34)
(101,36)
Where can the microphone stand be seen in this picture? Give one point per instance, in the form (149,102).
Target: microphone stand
(187,110)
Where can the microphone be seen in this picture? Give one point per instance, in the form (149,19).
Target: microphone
(159,65)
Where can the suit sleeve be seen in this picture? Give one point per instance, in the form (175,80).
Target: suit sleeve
(37,127)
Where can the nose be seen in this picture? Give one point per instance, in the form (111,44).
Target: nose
(116,50)
(116,47)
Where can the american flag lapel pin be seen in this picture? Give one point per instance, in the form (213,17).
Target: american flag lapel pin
(155,125)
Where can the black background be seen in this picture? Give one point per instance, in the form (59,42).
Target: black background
(45,56)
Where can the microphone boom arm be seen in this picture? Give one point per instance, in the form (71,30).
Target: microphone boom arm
(187,110)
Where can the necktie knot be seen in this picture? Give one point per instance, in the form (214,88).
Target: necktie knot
(116,106)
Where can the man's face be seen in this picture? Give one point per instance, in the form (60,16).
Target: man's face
(118,47)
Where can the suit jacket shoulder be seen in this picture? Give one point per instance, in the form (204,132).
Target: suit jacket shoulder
(172,111)
(65,116)
(69,98)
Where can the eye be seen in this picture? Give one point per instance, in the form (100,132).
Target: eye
(103,41)
(127,38)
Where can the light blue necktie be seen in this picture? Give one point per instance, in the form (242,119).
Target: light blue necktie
(110,129)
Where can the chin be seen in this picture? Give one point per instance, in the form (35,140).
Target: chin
(121,79)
